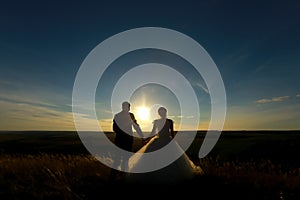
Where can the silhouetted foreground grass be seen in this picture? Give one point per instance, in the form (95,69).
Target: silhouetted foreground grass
(61,176)
(242,165)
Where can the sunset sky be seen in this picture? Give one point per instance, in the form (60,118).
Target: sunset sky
(255,45)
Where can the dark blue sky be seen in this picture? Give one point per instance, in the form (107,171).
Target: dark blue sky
(255,44)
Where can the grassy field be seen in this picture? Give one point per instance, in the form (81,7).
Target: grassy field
(243,165)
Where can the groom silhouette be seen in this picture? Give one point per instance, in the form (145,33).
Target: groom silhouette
(122,126)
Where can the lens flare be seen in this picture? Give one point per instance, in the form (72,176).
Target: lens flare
(143,113)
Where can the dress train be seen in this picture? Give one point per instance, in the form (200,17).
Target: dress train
(180,170)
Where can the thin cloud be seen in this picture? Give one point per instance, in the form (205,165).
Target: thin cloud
(23,100)
(181,116)
(298,95)
(34,117)
(202,87)
(263,66)
(19,93)
(15,116)
(274,99)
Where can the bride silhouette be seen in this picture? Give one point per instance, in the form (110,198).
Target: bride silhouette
(181,169)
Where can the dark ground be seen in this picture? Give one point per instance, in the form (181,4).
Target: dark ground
(280,147)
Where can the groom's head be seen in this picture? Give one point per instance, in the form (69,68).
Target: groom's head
(125,106)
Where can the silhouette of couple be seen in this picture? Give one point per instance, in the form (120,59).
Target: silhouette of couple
(162,133)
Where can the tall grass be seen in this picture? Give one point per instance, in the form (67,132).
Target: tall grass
(46,176)
(257,173)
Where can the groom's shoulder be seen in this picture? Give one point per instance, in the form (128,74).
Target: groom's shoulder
(170,120)
(132,116)
(117,114)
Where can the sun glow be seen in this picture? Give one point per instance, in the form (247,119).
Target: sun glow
(143,113)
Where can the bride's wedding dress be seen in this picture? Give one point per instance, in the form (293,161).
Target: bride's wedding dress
(179,170)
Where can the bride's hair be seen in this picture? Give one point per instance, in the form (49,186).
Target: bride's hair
(162,112)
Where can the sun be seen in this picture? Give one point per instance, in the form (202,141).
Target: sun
(143,113)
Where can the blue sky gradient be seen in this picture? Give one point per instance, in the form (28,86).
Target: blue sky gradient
(255,44)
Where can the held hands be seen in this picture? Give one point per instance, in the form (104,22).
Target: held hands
(145,141)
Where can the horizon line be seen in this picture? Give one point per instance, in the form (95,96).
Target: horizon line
(199,130)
